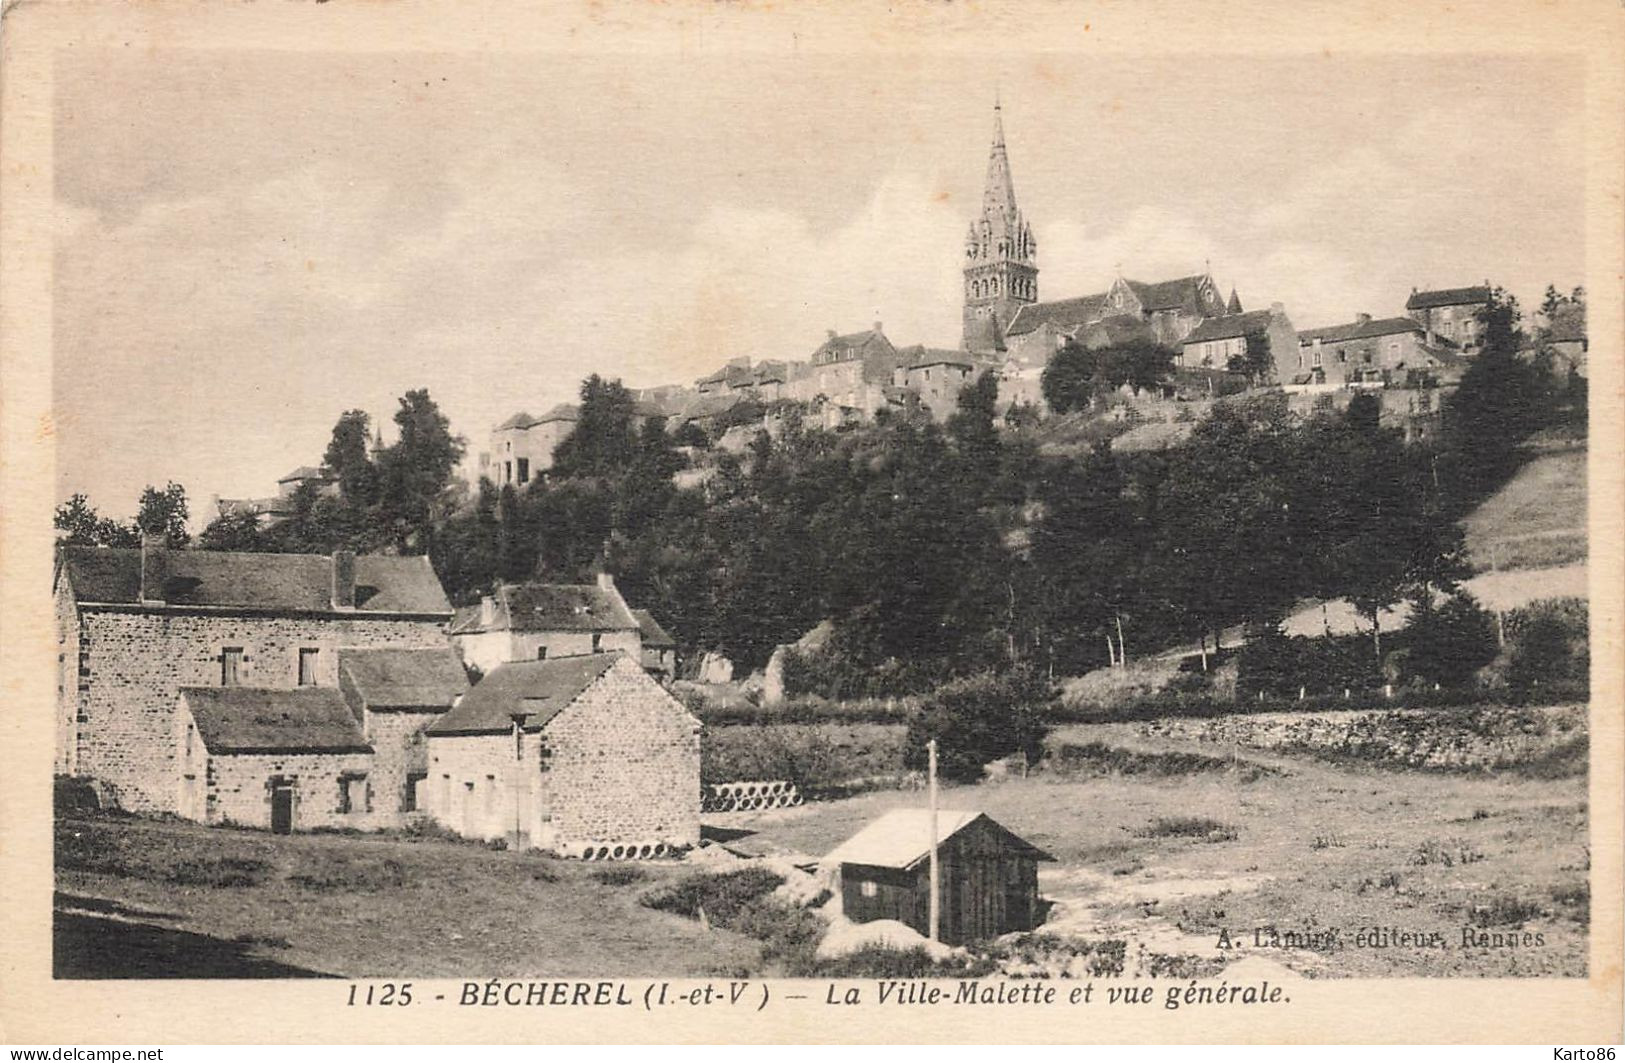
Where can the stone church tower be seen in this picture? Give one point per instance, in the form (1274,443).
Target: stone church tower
(1000,255)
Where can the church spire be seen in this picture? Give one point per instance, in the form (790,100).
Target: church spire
(1001,272)
(1000,194)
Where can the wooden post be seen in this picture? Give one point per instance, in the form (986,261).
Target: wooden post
(1122,651)
(931,788)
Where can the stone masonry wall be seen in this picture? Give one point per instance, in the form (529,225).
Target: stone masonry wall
(624,764)
(133,665)
(239,789)
(479,788)
(68,682)
(399,748)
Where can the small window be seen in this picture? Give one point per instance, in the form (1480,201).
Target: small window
(1317,359)
(868,888)
(597,641)
(307,665)
(352,794)
(507,472)
(524,470)
(541,653)
(231,666)
(409,796)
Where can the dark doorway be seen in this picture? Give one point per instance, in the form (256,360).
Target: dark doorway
(282,809)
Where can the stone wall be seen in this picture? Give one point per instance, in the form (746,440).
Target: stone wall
(400,748)
(239,789)
(479,788)
(71,679)
(133,664)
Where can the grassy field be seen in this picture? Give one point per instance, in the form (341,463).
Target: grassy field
(1167,849)
(1538,520)
(139,898)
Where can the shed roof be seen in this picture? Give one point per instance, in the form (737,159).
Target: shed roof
(282,582)
(405,679)
(901,838)
(654,635)
(539,689)
(1448,297)
(255,720)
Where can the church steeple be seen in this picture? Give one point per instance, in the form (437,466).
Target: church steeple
(1001,274)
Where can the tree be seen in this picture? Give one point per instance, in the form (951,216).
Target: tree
(1141,364)
(347,458)
(979,719)
(164,512)
(1068,380)
(234,531)
(85,527)
(603,441)
(417,470)
(1448,645)
(1499,402)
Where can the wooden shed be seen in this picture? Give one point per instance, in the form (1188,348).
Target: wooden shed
(988,875)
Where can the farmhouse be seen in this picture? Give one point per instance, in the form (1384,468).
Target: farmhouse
(540,621)
(576,755)
(988,877)
(135,626)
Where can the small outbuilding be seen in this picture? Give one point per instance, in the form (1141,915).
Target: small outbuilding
(579,755)
(659,648)
(988,876)
(395,695)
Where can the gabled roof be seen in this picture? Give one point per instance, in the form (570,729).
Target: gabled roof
(1448,297)
(902,838)
(919,356)
(404,679)
(1064,314)
(1359,330)
(256,720)
(863,346)
(654,635)
(307,472)
(539,689)
(550,607)
(1115,330)
(1229,327)
(1168,295)
(279,582)
(518,420)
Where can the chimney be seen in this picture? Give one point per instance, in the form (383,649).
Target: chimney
(488,611)
(830,332)
(1362,318)
(878,329)
(1277,309)
(606,582)
(343,579)
(154,566)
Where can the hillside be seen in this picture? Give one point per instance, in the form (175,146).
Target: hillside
(1537,520)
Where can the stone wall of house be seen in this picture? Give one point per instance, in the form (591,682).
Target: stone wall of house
(623,764)
(487,649)
(400,753)
(69,679)
(480,786)
(133,664)
(238,789)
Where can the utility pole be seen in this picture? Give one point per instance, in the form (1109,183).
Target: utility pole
(931,789)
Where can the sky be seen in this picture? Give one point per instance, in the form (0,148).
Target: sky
(249,244)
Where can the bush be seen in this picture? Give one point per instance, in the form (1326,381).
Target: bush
(1448,645)
(981,719)
(1549,644)
(819,758)
(618,876)
(1277,665)
(1190,827)
(722,896)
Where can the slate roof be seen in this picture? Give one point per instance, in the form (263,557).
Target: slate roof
(550,607)
(1064,314)
(1359,330)
(1168,295)
(919,356)
(518,420)
(539,689)
(255,720)
(281,582)
(404,679)
(307,472)
(1229,326)
(564,411)
(901,838)
(1115,330)
(1448,297)
(654,636)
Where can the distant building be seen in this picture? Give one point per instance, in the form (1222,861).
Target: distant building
(659,648)
(136,627)
(1450,316)
(848,371)
(1563,336)
(1368,352)
(569,755)
(988,877)
(281,505)
(936,376)
(522,446)
(1165,312)
(544,621)
(1224,343)
(1000,267)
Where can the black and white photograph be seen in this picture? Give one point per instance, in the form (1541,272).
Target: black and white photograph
(969,520)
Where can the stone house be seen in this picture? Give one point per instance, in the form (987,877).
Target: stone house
(1449,316)
(135,626)
(936,376)
(1368,352)
(542,621)
(522,446)
(395,695)
(848,371)
(1223,342)
(659,648)
(569,755)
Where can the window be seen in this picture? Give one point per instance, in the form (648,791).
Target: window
(231,666)
(1342,356)
(307,665)
(352,794)
(868,888)
(409,796)
(597,641)
(524,470)
(507,472)
(1317,359)
(541,653)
